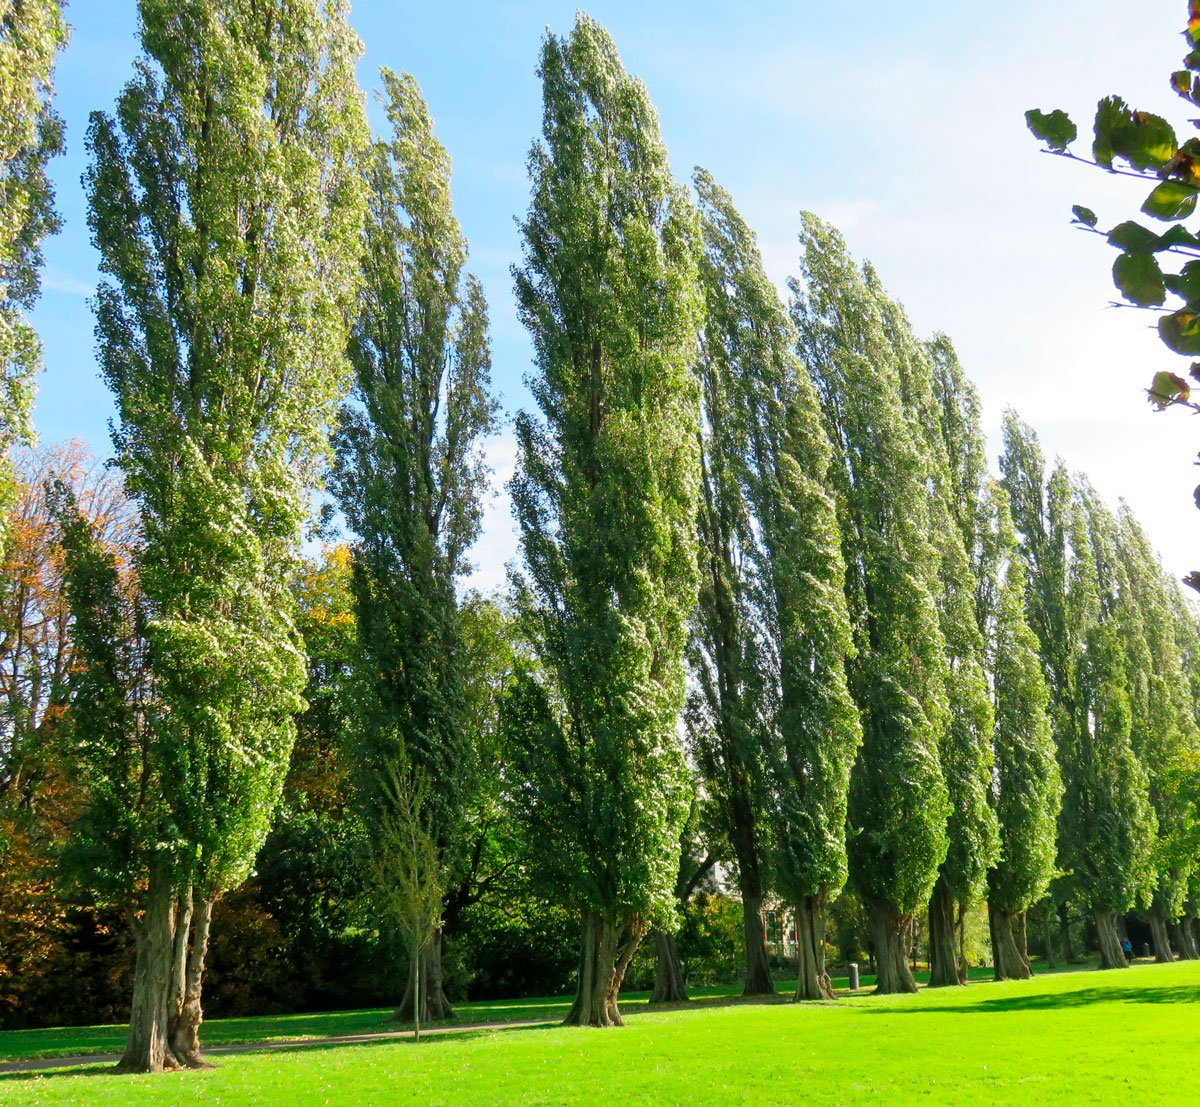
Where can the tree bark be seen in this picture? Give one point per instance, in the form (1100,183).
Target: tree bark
(944,966)
(1006,949)
(669,986)
(1111,954)
(1064,930)
(812,981)
(1022,937)
(604,958)
(1048,938)
(1184,940)
(186,1011)
(147,1046)
(891,931)
(758,966)
(1162,941)
(435,1007)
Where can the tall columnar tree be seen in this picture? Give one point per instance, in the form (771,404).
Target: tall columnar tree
(1041,514)
(1164,724)
(605,498)
(1027,791)
(226,204)
(1113,827)
(773,633)
(31,34)
(933,391)
(410,480)
(898,798)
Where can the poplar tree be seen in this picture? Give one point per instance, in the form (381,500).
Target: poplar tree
(31,34)
(1164,729)
(1027,792)
(773,632)
(954,505)
(898,805)
(410,480)
(226,205)
(605,498)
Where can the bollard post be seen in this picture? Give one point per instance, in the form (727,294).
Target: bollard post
(1145,949)
(853,976)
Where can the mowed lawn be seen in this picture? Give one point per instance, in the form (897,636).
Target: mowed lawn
(1083,1037)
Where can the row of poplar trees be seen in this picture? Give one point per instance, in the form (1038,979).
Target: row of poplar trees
(772,524)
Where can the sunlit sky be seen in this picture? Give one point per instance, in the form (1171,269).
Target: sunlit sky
(901,124)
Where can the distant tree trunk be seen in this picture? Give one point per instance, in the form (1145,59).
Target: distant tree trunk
(812,981)
(1162,941)
(1184,940)
(186,1011)
(891,932)
(1048,938)
(435,1007)
(1111,954)
(669,986)
(147,1047)
(1064,930)
(758,966)
(1006,949)
(1023,942)
(604,958)
(944,967)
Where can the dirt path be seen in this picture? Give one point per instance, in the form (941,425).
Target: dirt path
(39,1064)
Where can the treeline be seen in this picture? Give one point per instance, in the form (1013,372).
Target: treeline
(776,621)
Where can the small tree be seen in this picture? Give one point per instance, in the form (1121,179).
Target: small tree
(407,864)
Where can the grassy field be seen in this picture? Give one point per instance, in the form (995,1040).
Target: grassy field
(1085,1037)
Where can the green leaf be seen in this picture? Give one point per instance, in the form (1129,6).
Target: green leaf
(1139,279)
(1166,389)
(1186,282)
(1133,238)
(1181,331)
(1083,215)
(1170,201)
(1177,235)
(1054,128)
(1146,141)
(1111,112)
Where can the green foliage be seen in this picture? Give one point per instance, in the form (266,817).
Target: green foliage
(31,34)
(898,798)
(225,204)
(772,633)
(410,479)
(606,490)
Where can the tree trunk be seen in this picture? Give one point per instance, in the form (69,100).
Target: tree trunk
(758,966)
(186,1011)
(1048,938)
(147,1047)
(1111,954)
(1184,940)
(1022,936)
(891,932)
(1064,930)
(669,986)
(603,960)
(1162,941)
(1006,949)
(435,1007)
(944,967)
(812,981)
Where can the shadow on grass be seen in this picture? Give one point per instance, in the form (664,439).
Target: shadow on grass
(1047,1001)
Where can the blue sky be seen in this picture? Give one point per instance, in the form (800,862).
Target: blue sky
(902,124)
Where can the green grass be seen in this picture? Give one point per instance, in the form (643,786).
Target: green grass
(1086,1037)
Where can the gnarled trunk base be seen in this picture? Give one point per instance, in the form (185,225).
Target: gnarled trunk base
(1162,941)
(758,965)
(891,931)
(812,981)
(944,969)
(1007,955)
(435,1007)
(607,949)
(669,986)
(1111,954)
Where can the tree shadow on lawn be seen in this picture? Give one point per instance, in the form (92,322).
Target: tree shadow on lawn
(1048,1001)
